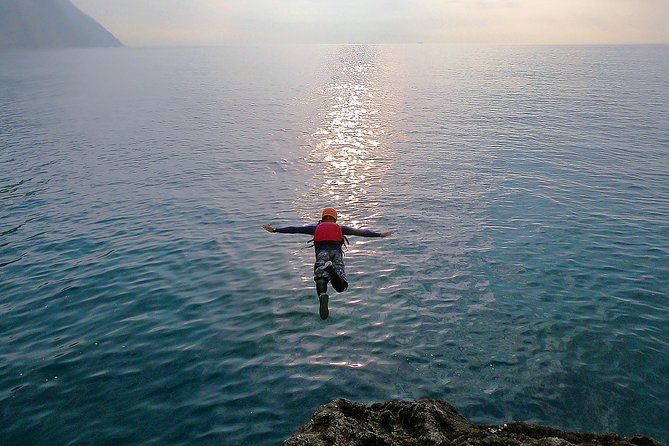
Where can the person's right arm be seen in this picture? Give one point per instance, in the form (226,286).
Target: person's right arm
(347,230)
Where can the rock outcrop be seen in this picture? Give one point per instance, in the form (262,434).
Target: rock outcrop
(434,423)
(40,24)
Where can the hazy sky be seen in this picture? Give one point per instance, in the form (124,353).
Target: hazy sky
(213,22)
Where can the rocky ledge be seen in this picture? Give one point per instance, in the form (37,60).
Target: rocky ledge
(434,423)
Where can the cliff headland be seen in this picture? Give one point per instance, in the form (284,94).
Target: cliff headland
(47,24)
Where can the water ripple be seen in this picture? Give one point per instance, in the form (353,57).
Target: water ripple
(141,303)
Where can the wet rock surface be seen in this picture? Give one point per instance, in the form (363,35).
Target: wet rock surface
(434,423)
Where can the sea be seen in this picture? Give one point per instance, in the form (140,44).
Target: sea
(526,279)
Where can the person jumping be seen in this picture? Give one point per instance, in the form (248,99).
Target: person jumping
(329,237)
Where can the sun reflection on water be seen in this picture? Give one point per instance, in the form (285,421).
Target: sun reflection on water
(350,147)
(350,156)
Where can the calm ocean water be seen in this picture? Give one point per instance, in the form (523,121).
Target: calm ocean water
(142,304)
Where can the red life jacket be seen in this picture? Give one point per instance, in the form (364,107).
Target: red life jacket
(328,232)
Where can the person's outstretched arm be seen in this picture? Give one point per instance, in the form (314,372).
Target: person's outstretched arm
(347,230)
(291,229)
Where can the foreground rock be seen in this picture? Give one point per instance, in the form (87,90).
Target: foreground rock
(435,423)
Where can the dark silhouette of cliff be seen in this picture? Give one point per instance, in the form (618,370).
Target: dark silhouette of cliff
(37,24)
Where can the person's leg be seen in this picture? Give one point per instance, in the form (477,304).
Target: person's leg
(321,277)
(337,272)
(321,286)
(323,298)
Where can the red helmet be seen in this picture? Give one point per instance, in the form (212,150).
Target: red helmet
(329,212)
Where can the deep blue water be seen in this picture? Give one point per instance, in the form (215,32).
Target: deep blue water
(141,303)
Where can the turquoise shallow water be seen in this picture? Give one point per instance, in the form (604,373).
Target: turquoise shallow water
(141,303)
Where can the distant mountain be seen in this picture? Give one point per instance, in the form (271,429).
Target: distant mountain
(34,24)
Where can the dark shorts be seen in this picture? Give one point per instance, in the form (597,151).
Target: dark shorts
(335,256)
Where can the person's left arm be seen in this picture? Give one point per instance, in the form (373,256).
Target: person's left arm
(310,229)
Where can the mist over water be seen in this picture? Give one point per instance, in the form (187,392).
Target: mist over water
(141,302)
